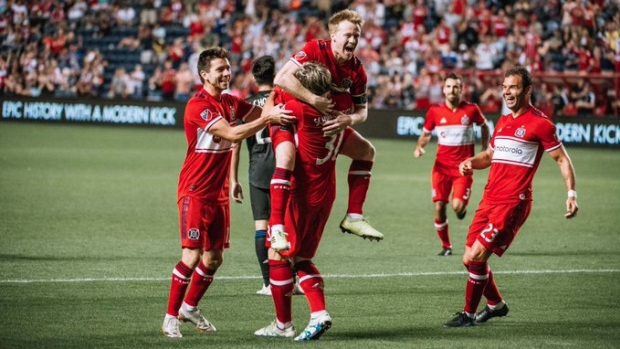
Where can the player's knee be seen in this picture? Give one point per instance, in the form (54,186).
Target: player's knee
(285,155)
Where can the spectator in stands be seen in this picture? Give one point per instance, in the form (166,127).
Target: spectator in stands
(154,86)
(65,85)
(136,82)
(125,16)
(168,84)
(148,12)
(184,82)
(119,84)
(585,99)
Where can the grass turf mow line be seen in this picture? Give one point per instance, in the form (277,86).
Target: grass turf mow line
(328,276)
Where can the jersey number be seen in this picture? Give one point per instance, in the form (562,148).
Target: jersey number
(489,233)
(333,148)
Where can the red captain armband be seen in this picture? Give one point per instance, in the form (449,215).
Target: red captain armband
(572,194)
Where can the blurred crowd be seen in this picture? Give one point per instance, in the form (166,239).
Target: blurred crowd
(147,49)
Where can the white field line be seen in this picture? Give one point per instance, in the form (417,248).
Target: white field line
(331,276)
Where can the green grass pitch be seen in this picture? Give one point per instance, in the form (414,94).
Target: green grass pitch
(88,239)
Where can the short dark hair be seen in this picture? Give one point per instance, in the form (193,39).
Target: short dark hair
(454,76)
(208,55)
(526,77)
(264,70)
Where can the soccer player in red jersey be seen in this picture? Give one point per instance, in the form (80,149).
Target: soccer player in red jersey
(348,74)
(203,198)
(313,191)
(454,121)
(516,147)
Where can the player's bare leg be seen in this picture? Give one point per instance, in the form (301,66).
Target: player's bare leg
(279,191)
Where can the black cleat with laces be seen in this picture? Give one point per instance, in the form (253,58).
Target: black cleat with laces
(487,313)
(460,320)
(461,215)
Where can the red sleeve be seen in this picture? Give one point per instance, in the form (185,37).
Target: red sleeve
(429,123)
(361,79)
(307,53)
(548,135)
(479,118)
(199,113)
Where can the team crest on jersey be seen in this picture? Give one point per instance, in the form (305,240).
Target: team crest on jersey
(193,234)
(232,115)
(300,56)
(346,83)
(217,139)
(465,120)
(520,132)
(205,115)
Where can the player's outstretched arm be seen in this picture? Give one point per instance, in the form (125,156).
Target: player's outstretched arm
(277,115)
(568,174)
(484,135)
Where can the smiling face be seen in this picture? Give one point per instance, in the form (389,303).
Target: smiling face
(217,78)
(516,96)
(452,91)
(344,40)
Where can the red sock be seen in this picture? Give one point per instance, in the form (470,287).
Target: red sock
(491,292)
(443,233)
(311,282)
(279,191)
(359,181)
(281,279)
(180,279)
(201,280)
(475,285)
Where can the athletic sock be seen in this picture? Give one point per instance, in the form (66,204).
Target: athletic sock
(443,232)
(491,293)
(359,181)
(201,280)
(475,285)
(261,254)
(279,190)
(180,279)
(311,282)
(281,279)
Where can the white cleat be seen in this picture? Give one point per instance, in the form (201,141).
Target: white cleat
(170,328)
(278,239)
(361,228)
(264,291)
(195,317)
(316,328)
(272,330)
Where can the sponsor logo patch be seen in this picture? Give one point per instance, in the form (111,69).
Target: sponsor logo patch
(205,115)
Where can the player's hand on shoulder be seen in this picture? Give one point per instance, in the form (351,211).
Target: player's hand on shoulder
(279,115)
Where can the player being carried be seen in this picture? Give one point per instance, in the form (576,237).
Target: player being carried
(347,73)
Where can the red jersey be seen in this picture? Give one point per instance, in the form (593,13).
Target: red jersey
(204,174)
(455,134)
(349,75)
(518,144)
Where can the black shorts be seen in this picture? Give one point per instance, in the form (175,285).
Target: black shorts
(261,203)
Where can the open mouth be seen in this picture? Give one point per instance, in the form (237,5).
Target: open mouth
(349,48)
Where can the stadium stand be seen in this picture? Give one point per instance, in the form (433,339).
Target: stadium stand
(74,48)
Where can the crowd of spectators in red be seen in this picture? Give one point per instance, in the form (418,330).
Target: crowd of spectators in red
(147,49)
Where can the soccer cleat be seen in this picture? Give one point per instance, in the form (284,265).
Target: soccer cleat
(278,239)
(170,328)
(264,291)
(446,251)
(360,227)
(460,320)
(272,330)
(316,328)
(487,313)
(195,317)
(461,215)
